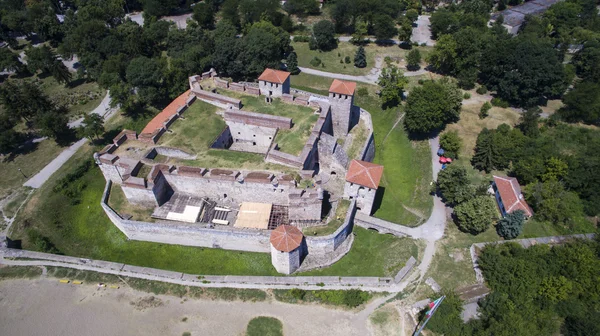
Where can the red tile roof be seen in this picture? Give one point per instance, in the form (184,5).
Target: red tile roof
(364,173)
(164,115)
(342,87)
(286,238)
(274,76)
(510,193)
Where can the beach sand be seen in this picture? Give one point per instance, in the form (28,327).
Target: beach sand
(44,306)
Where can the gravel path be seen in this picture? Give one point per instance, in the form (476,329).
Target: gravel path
(422,31)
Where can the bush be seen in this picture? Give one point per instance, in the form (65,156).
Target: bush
(315,61)
(301,38)
(500,103)
(42,243)
(451,142)
(475,215)
(347,60)
(485,109)
(363,92)
(482,90)
(510,227)
(297,293)
(467,95)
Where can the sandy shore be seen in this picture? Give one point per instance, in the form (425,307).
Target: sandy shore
(47,307)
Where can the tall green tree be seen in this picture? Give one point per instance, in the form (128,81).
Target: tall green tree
(511,225)
(486,154)
(384,27)
(431,106)
(360,58)
(413,60)
(204,14)
(301,8)
(476,214)
(454,184)
(582,104)
(292,63)
(392,83)
(323,37)
(93,126)
(451,142)
(159,7)
(10,61)
(528,123)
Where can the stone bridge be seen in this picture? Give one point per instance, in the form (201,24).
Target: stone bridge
(379,225)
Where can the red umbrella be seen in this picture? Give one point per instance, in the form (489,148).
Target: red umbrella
(443,159)
(448,160)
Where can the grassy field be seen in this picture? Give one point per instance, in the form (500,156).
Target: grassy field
(470,125)
(386,321)
(373,254)
(80,97)
(119,203)
(264,326)
(30,162)
(331,59)
(359,134)
(19,272)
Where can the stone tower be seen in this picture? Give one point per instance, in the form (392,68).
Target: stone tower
(341,99)
(362,181)
(287,244)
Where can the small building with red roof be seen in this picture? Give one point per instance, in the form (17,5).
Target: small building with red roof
(274,83)
(509,196)
(287,248)
(362,181)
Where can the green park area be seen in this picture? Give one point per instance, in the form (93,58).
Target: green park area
(335,60)
(264,326)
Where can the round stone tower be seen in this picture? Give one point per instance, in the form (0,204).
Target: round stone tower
(286,248)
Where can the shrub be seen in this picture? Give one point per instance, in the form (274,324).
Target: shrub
(499,103)
(420,81)
(450,141)
(485,109)
(482,90)
(297,293)
(301,38)
(347,60)
(475,215)
(315,61)
(42,243)
(363,92)
(510,227)
(467,95)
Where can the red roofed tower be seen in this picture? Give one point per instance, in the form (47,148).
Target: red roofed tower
(362,181)
(274,83)
(341,98)
(286,248)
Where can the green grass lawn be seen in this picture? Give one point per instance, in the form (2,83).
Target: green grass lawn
(264,326)
(30,162)
(373,254)
(331,59)
(311,83)
(119,203)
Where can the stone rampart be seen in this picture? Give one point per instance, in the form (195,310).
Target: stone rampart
(237,87)
(253,90)
(221,83)
(257,119)
(217,99)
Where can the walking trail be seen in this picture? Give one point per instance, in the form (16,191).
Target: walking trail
(40,178)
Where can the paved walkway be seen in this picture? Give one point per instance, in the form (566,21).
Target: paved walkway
(422,31)
(40,178)
(371,78)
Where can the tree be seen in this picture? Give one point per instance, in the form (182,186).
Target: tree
(40,58)
(432,105)
(443,56)
(511,225)
(550,201)
(451,143)
(204,14)
(292,63)
(10,61)
(392,83)
(9,138)
(524,70)
(443,22)
(528,123)
(454,184)
(301,8)
(23,100)
(484,110)
(323,37)
(263,47)
(413,60)
(159,7)
(447,320)
(405,30)
(476,214)
(384,27)
(146,76)
(60,72)
(486,153)
(93,126)
(360,58)
(412,15)
(582,103)
(586,61)
(230,12)
(360,31)
(53,124)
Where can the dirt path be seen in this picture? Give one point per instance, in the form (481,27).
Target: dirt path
(47,307)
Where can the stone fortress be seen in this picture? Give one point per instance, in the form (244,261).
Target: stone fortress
(260,211)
